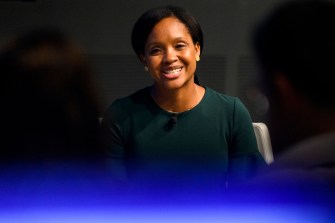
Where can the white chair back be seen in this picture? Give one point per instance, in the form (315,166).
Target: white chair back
(263,141)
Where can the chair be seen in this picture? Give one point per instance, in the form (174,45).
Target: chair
(263,141)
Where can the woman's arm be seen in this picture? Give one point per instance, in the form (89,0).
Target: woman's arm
(113,144)
(244,157)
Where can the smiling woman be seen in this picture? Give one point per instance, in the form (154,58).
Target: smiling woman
(176,134)
(170,56)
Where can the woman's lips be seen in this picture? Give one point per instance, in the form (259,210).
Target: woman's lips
(172,73)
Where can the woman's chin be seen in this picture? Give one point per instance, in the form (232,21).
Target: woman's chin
(174,84)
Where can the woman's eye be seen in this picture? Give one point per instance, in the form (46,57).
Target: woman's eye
(180,46)
(154,51)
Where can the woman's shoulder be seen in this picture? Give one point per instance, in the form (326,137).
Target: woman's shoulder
(224,103)
(221,97)
(138,96)
(130,103)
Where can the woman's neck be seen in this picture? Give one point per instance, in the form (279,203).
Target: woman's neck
(178,100)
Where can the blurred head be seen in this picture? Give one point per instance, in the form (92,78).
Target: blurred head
(295,46)
(297,40)
(50,106)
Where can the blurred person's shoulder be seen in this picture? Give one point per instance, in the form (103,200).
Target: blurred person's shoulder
(313,159)
(305,172)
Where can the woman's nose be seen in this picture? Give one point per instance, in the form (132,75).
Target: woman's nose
(170,56)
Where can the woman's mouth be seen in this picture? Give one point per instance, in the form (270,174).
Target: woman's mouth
(172,73)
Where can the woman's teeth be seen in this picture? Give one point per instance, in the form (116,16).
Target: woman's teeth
(172,71)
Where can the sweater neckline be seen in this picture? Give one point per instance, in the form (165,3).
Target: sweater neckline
(176,113)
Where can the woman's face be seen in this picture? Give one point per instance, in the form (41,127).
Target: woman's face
(170,54)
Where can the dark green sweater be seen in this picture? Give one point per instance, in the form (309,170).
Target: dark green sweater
(214,140)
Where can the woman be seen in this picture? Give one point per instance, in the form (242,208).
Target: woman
(177,132)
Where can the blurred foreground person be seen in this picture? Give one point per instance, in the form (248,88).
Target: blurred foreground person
(295,47)
(50,152)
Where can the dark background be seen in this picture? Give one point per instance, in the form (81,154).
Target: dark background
(103,28)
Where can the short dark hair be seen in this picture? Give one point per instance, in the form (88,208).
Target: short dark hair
(150,18)
(298,39)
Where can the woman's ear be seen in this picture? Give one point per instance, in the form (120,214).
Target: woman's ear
(197,49)
(144,62)
(142,59)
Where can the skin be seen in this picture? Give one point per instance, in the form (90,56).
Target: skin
(170,55)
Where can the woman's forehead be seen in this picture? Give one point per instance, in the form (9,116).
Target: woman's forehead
(169,27)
